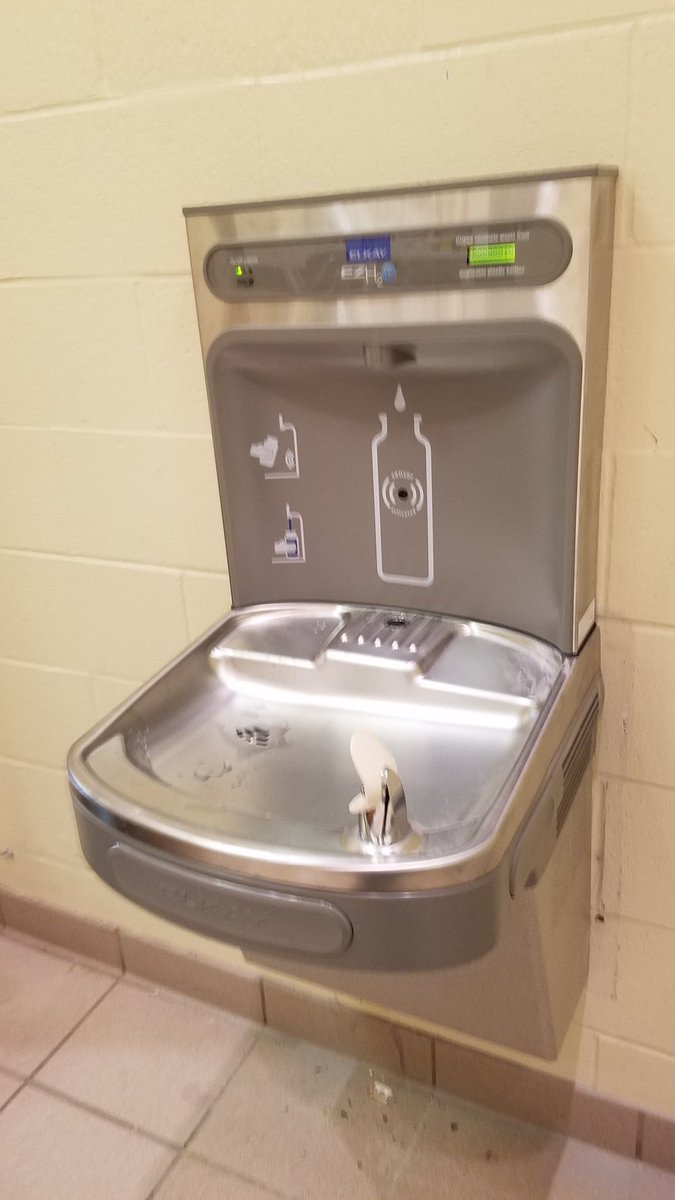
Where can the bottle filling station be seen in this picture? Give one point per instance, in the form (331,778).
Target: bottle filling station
(374,773)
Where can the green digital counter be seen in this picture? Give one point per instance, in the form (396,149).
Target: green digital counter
(492,256)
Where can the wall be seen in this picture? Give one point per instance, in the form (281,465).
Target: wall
(116,115)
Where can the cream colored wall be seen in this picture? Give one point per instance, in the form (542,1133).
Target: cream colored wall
(113,117)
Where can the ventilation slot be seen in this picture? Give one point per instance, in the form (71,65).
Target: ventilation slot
(575,762)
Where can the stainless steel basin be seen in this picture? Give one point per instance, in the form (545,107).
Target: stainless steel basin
(237,755)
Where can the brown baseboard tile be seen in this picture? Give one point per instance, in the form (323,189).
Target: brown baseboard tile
(658,1141)
(536,1097)
(79,935)
(238,990)
(368,1038)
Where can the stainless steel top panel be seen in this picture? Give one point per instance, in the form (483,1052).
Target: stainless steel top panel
(517,177)
(573,305)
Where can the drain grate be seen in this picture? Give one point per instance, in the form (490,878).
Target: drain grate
(398,639)
(254,735)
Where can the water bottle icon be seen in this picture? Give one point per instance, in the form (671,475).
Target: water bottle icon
(402,496)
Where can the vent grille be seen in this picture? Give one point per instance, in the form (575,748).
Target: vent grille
(575,762)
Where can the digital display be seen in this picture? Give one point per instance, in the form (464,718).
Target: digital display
(369,249)
(491,256)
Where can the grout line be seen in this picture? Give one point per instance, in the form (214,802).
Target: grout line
(8,1101)
(433,1061)
(629,136)
(395,1034)
(184,606)
(178,995)
(646,245)
(102,88)
(606,539)
(109,431)
(100,1112)
(425,53)
(163,1177)
(118,937)
(598,900)
(636,625)
(8,761)
(62,953)
(32,1077)
(39,1084)
(595,1065)
(625,918)
(554,30)
(627,250)
(202,1120)
(18,662)
(230,1172)
(17,281)
(639,1134)
(13,1073)
(154,987)
(128,100)
(635,1045)
(658,787)
(266,184)
(89,560)
(125,969)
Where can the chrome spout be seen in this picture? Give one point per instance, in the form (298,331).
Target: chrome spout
(381,804)
(388,822)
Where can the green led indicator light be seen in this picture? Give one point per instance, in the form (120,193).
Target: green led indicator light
(489,256)
(239,270)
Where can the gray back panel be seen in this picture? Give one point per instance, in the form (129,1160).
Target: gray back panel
(432,469)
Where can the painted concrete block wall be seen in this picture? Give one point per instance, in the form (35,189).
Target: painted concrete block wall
(112,117)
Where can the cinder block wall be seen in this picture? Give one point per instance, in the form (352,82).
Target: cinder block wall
(113,116)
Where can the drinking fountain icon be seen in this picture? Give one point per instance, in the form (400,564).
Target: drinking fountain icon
(266,452)
(280,451)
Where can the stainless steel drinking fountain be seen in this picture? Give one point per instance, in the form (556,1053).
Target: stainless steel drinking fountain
(374,773)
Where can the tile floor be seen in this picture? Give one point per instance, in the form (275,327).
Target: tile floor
(114,1090)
